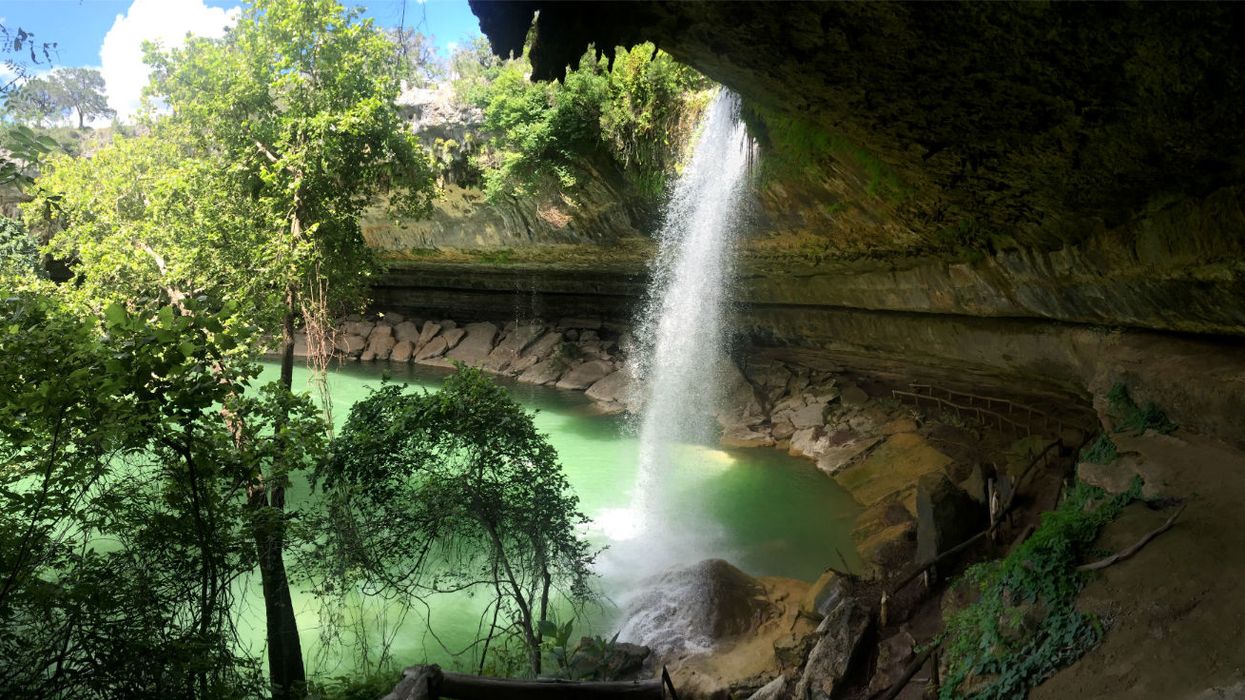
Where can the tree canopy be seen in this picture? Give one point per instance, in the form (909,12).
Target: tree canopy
(449,491)
(62,94)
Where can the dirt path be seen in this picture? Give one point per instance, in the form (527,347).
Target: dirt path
(1175,611)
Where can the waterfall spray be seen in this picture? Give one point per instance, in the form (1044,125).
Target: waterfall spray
(680,335)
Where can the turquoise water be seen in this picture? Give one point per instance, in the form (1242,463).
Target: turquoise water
(765,512)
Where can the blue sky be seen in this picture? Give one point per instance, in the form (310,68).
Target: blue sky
(106,34)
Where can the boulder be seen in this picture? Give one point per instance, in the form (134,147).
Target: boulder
(350,345)
(393,318)
(788,405)
(894,654)
(1158,480)
(945,516)
(889,549)
(740,405)
(975,483)
(475,346)
(774,690)
(508,350)
(446,324)
(359,328)
(792,648)
(585,375)
(406,330)
(380,344)
(536,352)
(852,395)
(545,372)
(836,650)
(613,388)
(380,330)
(429,331)
(812,415)
(835,458)
(743,436)
(808,442)
(452,336)
(620,660)
(402,351)
(692,609)
(883,515)
(782,429)
(830,589)
(435,348)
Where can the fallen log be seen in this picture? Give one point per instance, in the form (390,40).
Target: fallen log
(1129,551)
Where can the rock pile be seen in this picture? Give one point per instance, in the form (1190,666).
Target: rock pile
(578,354)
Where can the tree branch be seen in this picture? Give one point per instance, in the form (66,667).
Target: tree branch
(1126,553)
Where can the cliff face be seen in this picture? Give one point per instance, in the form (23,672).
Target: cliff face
(601,211)
(1017,194)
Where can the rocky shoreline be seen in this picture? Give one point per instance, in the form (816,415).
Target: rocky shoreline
(849,425)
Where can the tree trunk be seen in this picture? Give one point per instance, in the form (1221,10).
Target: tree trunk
(285,654)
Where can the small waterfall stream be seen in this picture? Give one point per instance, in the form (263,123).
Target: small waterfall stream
(680,335)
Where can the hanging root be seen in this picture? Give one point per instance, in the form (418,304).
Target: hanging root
(321,338)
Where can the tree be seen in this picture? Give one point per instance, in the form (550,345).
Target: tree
(81,91)
(633,113)
(454,491)
(296,103)
(62,94)
(122,533)
(32,102)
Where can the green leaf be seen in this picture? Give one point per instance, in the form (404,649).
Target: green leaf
(116,314)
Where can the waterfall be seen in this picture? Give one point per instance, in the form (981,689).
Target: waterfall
(680,335)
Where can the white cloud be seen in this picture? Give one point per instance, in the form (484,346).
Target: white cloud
(164,21)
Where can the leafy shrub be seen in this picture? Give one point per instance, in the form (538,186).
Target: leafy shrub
(1101,451)
(19,255)
(1024,626)
(637,114)
(1134,418)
